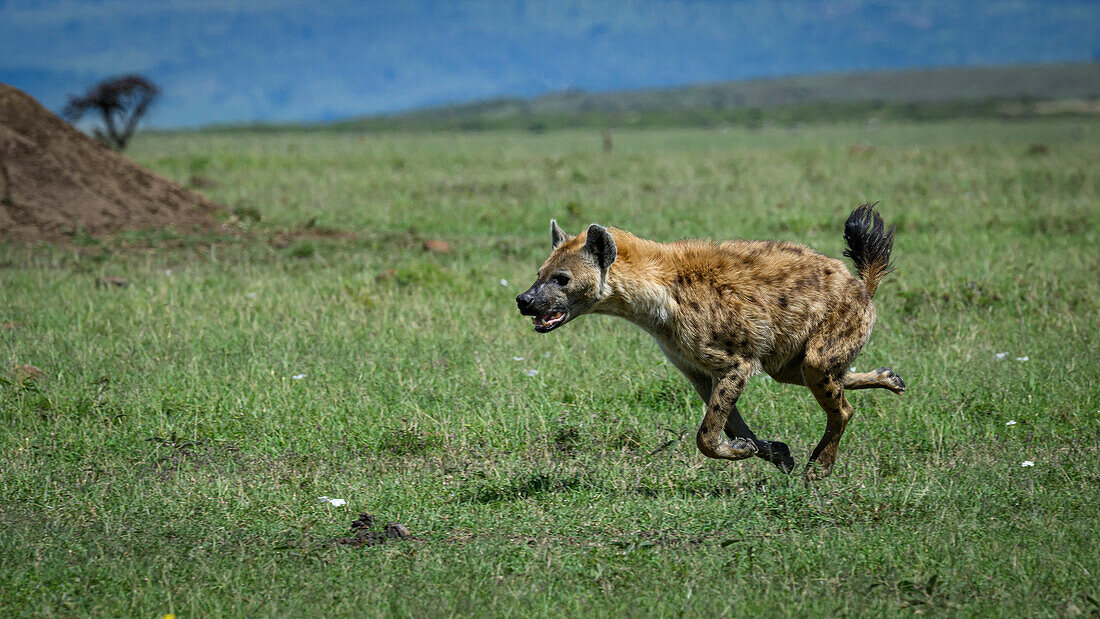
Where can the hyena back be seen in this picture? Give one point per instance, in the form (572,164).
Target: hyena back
(722,312)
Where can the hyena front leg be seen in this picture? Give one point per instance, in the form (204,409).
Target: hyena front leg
(722,404)
(882,378)
(773,451)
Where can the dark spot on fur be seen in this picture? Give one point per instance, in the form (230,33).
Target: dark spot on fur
(782,301)
(721,392)
(807,281)
(694,306)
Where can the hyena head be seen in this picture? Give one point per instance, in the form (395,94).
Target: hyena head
(572,281)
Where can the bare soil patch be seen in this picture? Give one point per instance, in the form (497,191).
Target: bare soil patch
(365,532)
(56,182)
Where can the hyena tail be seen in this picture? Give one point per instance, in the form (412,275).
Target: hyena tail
(869,244)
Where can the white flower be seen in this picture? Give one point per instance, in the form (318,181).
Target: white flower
(168,271)
(298,376)
(1027,463)
(517,358)
(1021,358)
(503,282)
(332,502)
(532,372)
(1010,422)
(251,295)
(1001,356)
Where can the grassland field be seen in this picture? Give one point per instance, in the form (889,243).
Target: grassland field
(171,456)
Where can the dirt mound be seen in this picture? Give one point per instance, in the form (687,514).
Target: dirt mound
(54,181)
(365,532)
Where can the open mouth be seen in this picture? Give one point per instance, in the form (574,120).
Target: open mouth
(547,322)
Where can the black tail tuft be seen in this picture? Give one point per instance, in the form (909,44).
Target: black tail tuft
(869,245)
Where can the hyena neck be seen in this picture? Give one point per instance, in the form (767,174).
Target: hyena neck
(636,285)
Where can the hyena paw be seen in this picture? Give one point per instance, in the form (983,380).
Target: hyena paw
(816,471)
(892,380)
(741,448)
(778,454)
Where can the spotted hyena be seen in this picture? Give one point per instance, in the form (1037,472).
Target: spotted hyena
(722,312)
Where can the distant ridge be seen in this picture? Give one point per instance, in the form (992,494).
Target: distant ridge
(918,94)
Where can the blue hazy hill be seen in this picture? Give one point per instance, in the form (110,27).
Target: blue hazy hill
(292,60)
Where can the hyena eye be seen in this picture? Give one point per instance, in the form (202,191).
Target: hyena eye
(560,279)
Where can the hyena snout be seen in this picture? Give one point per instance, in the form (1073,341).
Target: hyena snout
(547,312)
(525,302)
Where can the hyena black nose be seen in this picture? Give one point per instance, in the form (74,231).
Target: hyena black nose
(524,301)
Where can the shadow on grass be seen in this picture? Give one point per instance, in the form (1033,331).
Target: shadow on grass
(522,487)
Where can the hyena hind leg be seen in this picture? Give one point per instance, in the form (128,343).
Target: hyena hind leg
(829,393)
(882,378)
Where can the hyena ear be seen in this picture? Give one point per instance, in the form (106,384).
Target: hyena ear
(601,246)
(557,235)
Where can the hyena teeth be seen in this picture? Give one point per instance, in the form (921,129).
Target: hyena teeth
(547,320)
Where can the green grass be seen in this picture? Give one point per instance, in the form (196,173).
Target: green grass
(168,461)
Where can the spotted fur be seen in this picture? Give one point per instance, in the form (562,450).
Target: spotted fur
(722,312)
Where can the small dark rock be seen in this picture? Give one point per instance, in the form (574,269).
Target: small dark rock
(396,530)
